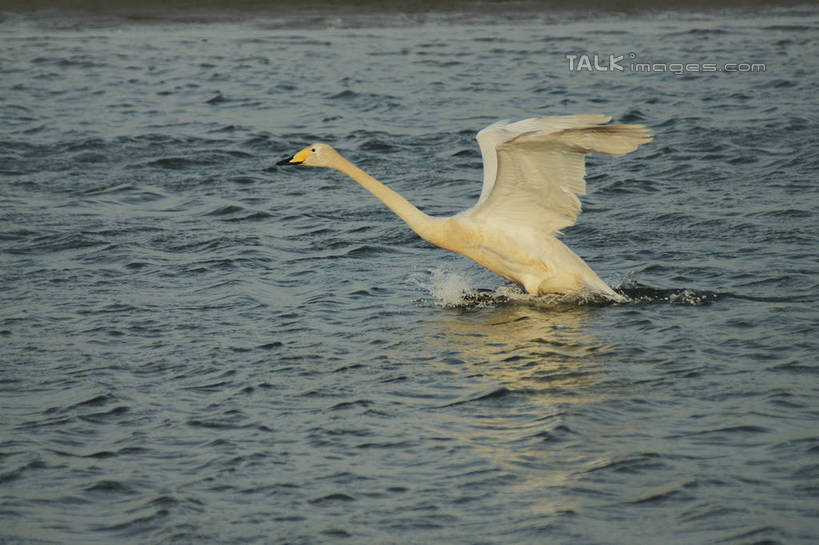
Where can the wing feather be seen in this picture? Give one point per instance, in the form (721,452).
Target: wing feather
(534,169)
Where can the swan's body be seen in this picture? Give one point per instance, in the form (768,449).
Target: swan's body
(533,171)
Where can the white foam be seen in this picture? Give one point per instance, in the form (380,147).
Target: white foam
(448,288)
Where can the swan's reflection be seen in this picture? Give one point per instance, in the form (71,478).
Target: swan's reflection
(522,347)
(528,370)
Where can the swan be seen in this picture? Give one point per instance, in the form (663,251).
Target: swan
(533,171)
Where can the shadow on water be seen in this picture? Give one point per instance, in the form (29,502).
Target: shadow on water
(641,294)
(636,294)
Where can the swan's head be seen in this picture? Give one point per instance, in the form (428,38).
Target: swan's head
(317,155)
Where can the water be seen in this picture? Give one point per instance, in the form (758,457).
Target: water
(198,347)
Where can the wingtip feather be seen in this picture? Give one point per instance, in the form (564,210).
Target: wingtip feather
(613,140)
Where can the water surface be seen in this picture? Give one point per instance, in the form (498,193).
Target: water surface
(198,347)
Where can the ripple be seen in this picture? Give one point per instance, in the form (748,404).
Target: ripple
(332,499)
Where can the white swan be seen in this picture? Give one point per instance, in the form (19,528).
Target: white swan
(533,171)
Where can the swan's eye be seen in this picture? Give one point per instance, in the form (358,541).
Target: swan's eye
(313,150)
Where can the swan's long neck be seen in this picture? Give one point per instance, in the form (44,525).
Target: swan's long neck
(427,227)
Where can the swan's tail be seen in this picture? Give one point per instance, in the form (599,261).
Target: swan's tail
(603,290)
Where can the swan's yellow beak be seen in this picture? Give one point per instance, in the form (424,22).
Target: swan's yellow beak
(297,159)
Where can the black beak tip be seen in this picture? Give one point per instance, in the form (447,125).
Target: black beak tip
(285,162)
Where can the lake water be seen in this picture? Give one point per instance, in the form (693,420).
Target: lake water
(199,347)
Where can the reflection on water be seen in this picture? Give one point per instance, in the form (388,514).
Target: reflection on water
(523,348)
(532,367)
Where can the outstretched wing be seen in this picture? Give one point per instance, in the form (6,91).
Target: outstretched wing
(534,169)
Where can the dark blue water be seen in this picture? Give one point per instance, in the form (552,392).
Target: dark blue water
(198,347)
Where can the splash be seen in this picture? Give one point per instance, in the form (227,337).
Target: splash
(453,290)
(449,289)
